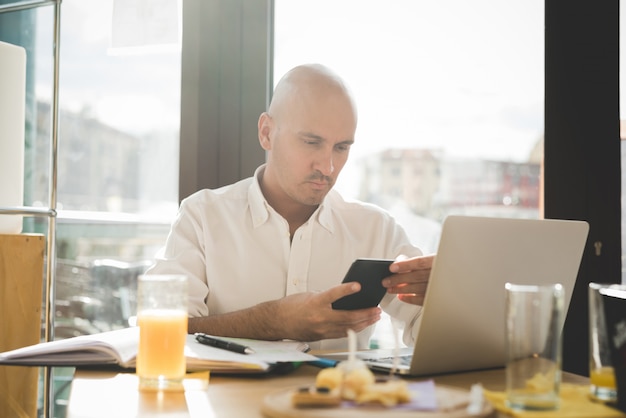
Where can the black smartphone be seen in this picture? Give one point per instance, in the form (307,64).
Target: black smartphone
(369,272)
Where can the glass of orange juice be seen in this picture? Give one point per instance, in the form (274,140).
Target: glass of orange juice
(162,319)
(601,375)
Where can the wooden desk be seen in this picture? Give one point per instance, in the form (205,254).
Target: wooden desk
(107,394)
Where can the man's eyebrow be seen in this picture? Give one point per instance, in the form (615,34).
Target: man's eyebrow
(311,135)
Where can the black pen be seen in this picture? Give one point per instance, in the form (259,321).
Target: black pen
(223,344)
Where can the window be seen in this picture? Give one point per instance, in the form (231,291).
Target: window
(450,97)
(117,184)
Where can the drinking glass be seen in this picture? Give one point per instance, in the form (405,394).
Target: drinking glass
(601,374)
(162,319)
(533,341)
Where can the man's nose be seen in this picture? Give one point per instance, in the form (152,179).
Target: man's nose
(325,163)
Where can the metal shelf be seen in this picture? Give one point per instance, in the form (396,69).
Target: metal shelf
(49,212)
(26,4)
(27,211)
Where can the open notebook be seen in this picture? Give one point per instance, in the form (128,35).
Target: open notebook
(118,348)
(462,322)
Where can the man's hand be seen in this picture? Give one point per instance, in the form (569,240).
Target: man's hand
(310,317)
(411,278)
(306,316)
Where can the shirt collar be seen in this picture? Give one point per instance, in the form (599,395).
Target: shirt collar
(256,200)
(259,206)
(324,213)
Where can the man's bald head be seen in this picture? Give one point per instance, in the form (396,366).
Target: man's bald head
(308,85)
(307,132)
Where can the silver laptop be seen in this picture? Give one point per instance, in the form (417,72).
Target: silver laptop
(462,322)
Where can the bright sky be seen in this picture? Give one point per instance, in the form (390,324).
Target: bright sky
(101,83)
(462,75)
(466,77)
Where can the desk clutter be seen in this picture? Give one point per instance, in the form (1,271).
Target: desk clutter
(451,403)
(575,402)
(118,349)
(352,389)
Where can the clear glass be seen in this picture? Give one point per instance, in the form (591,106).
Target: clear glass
(601,373)
(533,344)
(162,321)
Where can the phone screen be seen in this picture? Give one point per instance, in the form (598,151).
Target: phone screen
(369,273)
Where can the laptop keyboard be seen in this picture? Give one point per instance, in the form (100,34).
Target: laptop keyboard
(404,360)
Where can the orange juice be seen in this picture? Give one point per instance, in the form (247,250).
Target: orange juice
(603,377)
(162,335)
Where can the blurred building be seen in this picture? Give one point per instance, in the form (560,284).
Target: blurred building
(433,186)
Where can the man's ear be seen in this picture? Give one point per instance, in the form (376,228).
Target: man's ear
(265,126)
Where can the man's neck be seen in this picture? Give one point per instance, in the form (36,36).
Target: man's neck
(297,219)
(296,214)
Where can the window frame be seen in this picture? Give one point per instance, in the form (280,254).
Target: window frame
(226,83)
(582,147)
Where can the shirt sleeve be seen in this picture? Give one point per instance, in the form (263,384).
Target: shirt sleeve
(404,314)
(184,254)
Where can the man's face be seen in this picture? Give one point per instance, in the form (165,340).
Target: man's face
(309,147)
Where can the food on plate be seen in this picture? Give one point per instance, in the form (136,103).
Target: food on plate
(351,380)
(388,393)
(332,385)
(330,378)
(355,382)
(315,397)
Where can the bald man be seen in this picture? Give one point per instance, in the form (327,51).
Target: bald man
(265,256)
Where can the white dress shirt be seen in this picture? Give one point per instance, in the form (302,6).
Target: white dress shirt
(237,252)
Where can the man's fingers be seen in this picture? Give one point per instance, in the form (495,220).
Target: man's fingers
(412,299)
(341,290)
(415,279)
(403,265)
